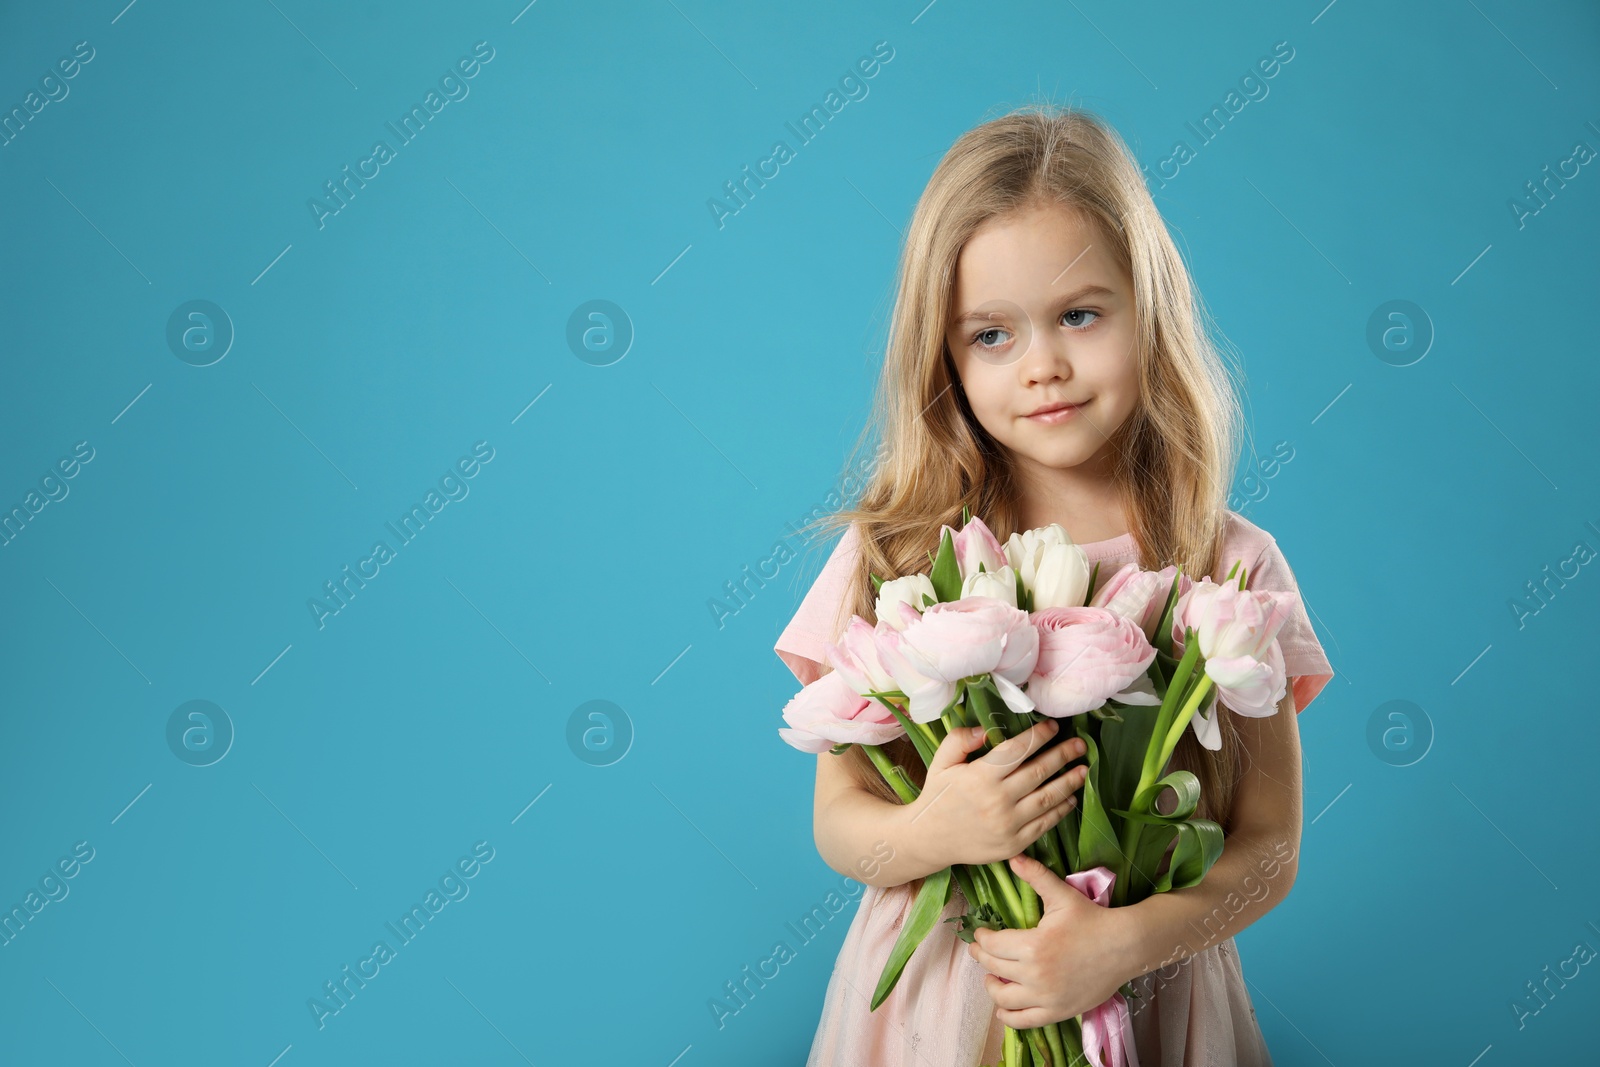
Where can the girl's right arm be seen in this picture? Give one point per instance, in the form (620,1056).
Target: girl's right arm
(979,812)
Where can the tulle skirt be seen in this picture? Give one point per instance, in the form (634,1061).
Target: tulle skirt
(1195,1013)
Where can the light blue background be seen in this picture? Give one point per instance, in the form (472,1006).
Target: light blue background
(431,311)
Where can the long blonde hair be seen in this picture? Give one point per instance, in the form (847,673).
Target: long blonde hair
(1174,455)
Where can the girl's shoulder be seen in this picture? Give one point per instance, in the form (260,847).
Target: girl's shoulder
(1268,571)
(1243,542)
(822,614)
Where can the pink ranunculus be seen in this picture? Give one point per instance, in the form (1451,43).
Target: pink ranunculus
(1088,656)
(976,544)
(1238,634)
(1139,595)
(828,712)
(962,638)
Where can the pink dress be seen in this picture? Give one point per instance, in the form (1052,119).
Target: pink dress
(1197,1013)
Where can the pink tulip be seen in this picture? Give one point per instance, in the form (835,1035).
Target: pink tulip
(828,712)
(927,695)
(962,638)
(1139,595)
(1088,656)
(1238,634)
(976,544)
(856,657)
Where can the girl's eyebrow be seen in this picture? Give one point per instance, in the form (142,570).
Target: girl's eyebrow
(1077,294)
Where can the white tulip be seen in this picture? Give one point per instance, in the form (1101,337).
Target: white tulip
(1023,550)
(1000,584)
(1062,578)
(915,590)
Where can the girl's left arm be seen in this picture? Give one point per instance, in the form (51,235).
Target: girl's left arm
(1258,862)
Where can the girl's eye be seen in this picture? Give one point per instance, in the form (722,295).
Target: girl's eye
(978,338)
(1080,312)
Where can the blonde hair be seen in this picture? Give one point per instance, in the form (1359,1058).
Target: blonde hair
(1174,455)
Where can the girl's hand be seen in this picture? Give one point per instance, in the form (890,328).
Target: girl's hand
(1069,964)
(1000,803)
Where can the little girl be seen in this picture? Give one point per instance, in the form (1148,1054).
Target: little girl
(1048,362)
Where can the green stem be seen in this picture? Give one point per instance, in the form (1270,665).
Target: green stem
(904,788)
(1016,1055)
(1072,1035)
(1129,840)
(968,884)
(1151,770)
(1039,1045)
(1012,907)
(1058,1047)
(1188,712)
(978,702)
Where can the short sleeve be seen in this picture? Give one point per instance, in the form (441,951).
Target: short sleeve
(1304,661)
(822,614)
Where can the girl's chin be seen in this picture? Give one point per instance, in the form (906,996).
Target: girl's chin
(1058,458)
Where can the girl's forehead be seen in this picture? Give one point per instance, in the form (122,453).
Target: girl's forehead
(1029,267)
(1042,248)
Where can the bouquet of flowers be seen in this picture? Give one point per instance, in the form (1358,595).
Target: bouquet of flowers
(1001,636)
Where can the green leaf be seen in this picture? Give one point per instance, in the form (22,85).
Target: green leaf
(1163,641)
(1146,860)
(946,574)
(1067,833)
(1199,847)
(980,915)
(1125,740)
(1097,838)
(931,899)
(925,748)
(1183,783)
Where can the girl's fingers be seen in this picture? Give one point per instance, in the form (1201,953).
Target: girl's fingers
(1013,996)
(955,747)
(1043,767)
(1037,828)
(1053,793)
(1012,752)
(1023,1020)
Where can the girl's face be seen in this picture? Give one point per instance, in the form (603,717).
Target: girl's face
(1041,314)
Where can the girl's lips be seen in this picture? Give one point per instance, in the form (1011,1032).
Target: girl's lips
(1053,418)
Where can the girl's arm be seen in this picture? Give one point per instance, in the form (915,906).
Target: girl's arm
(863,836)
(1258,862)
